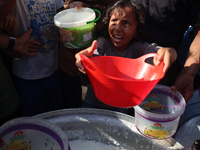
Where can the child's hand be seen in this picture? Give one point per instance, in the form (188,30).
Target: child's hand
(168,55)
(87,52)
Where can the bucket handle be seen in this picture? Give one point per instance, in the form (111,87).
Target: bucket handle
(86,61)
(144,57)
(95,10)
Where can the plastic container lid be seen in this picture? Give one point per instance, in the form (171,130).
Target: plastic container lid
(70,18)
(162,104)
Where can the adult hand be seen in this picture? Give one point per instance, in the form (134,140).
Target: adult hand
(168,55)
(75,4)
(87,52)
(78,5)
(26,46)
(184,84)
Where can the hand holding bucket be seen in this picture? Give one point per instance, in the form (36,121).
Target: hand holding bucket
(122,82)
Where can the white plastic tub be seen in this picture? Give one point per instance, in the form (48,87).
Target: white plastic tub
(28,133)
(158,115)
(76,27)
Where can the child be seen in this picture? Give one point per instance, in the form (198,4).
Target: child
(124,20)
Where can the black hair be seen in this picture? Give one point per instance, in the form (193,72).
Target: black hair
(137,6)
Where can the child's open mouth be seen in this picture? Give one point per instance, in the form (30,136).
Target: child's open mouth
(118,38)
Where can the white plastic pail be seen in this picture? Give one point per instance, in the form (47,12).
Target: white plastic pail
(76,27)
(158,115)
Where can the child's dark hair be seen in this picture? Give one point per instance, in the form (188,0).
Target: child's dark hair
(137,6)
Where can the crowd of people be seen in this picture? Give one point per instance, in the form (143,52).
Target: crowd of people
(38,74)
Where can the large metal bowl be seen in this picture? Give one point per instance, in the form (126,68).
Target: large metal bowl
(108,127)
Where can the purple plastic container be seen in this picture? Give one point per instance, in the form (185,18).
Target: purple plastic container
(31,133)
(158,115)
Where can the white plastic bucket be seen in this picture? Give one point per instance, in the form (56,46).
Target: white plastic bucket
(158,115)
(28,133)
(76,27)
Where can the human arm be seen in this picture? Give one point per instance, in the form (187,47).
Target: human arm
(5,7)
(23,44)
(2,143)
(87,52)
(80,4)
(9,25)
(73,4)
(166,54)
(184,82)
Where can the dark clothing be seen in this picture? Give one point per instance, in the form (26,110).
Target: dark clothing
(72,91)
(9,100)
(93,3)
(70,79)
(166,23)
(39,96)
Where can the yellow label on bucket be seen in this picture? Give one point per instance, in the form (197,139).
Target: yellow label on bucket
(157,131)
(18,142)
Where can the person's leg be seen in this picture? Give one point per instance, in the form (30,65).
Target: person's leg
(191,109)
(31,95)
(87,103)
(53,92)
(72,90)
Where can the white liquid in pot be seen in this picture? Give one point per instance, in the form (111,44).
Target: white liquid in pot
(92,145)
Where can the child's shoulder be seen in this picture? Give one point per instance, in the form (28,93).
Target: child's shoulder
(143,46)
(143,43)
(140,43)
(103,40)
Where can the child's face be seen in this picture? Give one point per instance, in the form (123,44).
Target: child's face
(122,28)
